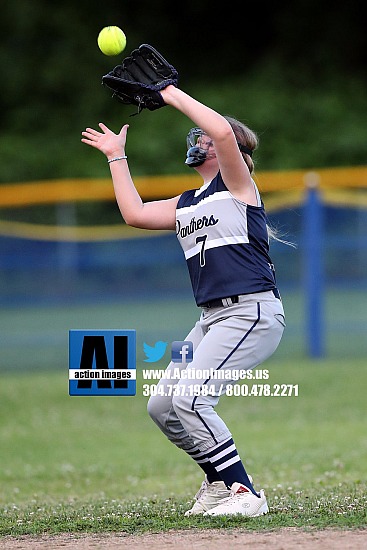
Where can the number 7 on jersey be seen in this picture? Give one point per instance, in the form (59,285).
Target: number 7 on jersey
(202,239)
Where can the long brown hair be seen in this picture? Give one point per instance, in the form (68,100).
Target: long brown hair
(245,136)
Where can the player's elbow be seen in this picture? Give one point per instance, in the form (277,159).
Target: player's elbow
(132,217)
(141,222)
(134,222)
(224,132)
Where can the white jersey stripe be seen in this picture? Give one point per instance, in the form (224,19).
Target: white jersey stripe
(219,196)
(202,188)
(216,243)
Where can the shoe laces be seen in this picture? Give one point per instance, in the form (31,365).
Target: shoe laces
(204,487)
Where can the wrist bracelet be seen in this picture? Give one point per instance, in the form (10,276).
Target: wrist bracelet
(117,158)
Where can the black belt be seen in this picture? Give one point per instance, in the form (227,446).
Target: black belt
(220,302)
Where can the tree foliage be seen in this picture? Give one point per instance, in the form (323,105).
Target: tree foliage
(294,71)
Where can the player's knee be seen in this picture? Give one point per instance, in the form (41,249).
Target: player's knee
(182,405)
(156,409)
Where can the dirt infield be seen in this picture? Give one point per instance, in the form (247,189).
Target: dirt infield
(285,539)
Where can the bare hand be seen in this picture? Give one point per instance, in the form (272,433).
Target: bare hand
(107,142)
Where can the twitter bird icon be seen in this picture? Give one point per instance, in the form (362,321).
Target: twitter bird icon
(156,352)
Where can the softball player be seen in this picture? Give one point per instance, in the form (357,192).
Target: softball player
(222,228)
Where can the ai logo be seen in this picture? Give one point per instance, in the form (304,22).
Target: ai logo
(102,362)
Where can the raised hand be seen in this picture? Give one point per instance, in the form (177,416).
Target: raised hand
(107,142)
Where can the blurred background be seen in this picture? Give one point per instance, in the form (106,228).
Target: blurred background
(295,72)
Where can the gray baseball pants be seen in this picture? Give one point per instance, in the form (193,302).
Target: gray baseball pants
(236,337)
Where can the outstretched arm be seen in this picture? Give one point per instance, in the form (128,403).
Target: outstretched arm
(233,168)
(151,215)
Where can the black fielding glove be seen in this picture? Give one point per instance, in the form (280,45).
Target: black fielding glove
(140,77)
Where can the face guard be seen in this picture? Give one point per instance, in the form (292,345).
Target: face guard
(198,144)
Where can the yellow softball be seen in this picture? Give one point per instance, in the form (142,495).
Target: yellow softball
(111,40)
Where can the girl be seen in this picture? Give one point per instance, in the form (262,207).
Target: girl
(223,231)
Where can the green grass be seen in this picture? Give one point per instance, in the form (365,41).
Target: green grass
(72,464)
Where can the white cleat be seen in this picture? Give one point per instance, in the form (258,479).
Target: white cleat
(208,496)
(241,502)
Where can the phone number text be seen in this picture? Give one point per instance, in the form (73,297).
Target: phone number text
(233,390)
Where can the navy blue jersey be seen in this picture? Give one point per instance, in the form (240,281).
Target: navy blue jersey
(225,242)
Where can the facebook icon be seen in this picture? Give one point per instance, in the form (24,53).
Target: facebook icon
(182,352)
